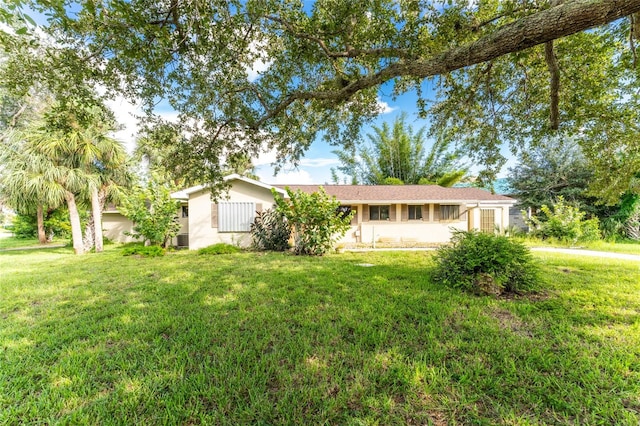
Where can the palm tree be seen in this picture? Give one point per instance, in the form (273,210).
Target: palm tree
(96,160)
(114,176)
(43,142)
(29,181)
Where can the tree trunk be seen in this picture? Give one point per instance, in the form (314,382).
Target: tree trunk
(88,239)
(42,236)
(96,210)
(76,228)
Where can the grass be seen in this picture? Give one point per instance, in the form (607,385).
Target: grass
(627,247)
(356,338)
(13,243)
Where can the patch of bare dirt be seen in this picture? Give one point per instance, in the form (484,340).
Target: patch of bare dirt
(508,321)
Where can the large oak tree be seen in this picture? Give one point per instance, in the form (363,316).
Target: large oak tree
(507,71)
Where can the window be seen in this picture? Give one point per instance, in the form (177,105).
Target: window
(378,212)
(343,211)
(449,212)
(415,212)
(235,217)
(185,211)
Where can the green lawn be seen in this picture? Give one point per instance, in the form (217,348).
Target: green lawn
(621,247)
(275,339)
(12,243)
(628,247)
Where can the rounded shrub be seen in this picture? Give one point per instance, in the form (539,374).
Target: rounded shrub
(484,263)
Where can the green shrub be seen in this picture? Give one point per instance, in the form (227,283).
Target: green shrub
(565,223)
(484,263)
(23,226)
(56,225)
(270,231)
(153,212)
(142,250)
(220,248)
(315,220)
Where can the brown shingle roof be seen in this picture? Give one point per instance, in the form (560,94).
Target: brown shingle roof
(402,193)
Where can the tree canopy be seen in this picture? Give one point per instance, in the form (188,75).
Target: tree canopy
(555,168)
(245,75)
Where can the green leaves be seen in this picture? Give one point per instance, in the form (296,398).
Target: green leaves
(397,154)
(485,264)
(270,230)
(153,212)
(314,219)
(565,223)
(248,75)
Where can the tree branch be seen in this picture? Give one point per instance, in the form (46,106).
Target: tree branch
(349,52)
(554,86)
(533,30)
(14,117)
(634,34)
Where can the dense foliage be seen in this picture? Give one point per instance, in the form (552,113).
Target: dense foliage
(485,263)
(555,168)
(564,222)
(625,223)
(56,225)
(283,73)
(153,212)
(314,219)
(270,230)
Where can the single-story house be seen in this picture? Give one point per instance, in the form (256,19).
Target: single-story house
(403,214)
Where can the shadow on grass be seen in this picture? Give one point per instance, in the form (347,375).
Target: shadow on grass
(279,339)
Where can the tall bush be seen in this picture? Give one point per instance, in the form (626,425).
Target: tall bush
(485,263)
(314,219)
(153,212)
(270,230)
(564,222)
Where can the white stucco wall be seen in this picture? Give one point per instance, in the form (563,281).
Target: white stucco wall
(201,231)
(420,231)
(402,231)
(114,225)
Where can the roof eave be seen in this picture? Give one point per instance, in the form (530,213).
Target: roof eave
(427,201)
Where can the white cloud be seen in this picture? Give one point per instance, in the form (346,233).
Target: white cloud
(265,158)
(383,107)
(126,115)
(319,162)
(261,64)
(257,67)
(293,177)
